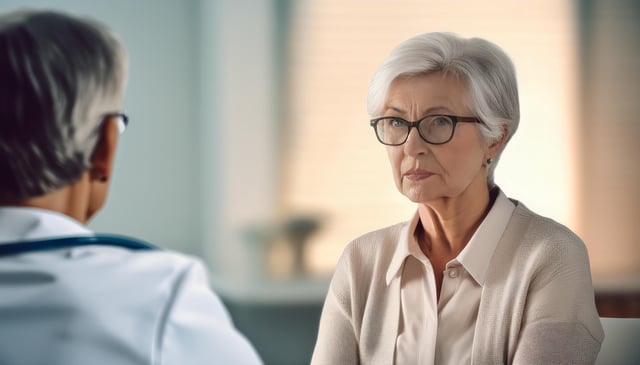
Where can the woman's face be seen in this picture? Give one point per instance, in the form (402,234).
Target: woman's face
(425,172)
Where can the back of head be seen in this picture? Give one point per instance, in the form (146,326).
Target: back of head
(486,70)
(59,75)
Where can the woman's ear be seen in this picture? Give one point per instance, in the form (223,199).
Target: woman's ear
(495,146)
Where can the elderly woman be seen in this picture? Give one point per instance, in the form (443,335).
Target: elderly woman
(473,277)
(68,296)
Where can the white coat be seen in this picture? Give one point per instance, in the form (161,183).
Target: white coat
(106,305)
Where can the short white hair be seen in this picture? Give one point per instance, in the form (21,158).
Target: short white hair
(486,70)
(59,73)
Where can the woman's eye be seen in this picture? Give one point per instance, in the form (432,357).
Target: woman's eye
(440,121)
(397,123)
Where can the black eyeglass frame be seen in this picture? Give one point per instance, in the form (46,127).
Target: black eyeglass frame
(121,116)
(454,118)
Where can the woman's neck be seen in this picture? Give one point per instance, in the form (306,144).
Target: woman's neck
(448,224)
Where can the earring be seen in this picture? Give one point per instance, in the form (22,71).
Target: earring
(489,161)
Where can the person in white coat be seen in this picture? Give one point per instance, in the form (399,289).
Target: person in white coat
(67,295)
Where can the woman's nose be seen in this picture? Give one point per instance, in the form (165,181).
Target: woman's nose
(414,144)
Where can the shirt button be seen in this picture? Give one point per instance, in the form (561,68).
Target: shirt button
(453,273)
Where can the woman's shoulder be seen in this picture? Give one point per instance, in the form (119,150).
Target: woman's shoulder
(379,241)
(535,247)
(543,227)
(364,262)
(546,236)
(370,254)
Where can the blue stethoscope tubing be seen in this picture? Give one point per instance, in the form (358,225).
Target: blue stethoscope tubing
(16,248)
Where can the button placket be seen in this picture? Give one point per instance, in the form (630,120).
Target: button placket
(450,283)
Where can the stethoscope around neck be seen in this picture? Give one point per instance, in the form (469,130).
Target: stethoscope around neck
(17,248)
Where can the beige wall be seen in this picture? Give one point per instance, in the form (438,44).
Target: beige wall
(609,177)
(334,165)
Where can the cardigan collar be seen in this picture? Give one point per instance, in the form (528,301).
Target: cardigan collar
(474,257)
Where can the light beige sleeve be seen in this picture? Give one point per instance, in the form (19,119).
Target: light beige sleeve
(560,323)
(337,342)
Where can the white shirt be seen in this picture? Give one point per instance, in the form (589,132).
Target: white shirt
(106,305)
(441,332)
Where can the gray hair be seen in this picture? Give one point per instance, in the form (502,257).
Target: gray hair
(485,68)
(59,73)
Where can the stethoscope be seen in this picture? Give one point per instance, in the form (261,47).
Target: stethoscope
(16,248)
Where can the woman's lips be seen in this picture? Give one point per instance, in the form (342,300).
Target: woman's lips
(417,175)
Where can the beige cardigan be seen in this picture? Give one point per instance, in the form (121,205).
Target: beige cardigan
(537,304)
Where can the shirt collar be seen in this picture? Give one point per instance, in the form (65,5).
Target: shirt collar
(27,223)
(476,255)
(406,241)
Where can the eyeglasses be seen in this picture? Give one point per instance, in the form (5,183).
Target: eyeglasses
(434,129)
(123,120)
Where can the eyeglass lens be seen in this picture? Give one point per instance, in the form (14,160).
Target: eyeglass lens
(434,129)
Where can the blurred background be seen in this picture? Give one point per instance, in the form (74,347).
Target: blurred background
(249,144)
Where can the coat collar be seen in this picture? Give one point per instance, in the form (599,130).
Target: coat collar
(26,223)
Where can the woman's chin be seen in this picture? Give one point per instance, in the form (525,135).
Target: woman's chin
(418,194)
